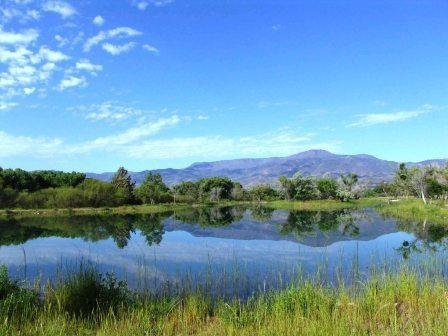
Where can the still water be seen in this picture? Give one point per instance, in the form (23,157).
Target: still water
(230,250)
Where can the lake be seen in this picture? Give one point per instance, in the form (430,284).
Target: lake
(226,250)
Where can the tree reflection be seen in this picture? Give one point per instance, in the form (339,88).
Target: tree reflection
(428,237)
(211,216)
(261,213)
(89,228)
(306,223)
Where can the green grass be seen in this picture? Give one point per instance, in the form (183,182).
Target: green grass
(318,205)
(411,209)
(121,210)
(87,304)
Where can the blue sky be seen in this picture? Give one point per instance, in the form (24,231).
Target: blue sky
(92,85)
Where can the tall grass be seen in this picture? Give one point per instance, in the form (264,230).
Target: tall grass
(90,304)
(412,209)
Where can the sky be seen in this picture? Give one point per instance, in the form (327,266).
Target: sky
(91,85)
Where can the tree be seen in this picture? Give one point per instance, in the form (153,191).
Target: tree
(237,192)
(98,193)
(216,193)
(123,186)
(349,181)
(187,188)
(418,181)
(262,192)
(153,189)
(221,186)
(287,188)
(304,188)
(327,187)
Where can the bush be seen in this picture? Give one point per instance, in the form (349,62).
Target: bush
(345,195)
(98,193)
(89,292)
(328,188)
(15,301)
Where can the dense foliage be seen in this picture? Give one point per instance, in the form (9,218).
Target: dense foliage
(54,189)
(423,182)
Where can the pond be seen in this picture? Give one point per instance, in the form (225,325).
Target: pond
(225,250)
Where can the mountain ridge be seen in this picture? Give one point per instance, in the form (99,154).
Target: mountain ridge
(251,171)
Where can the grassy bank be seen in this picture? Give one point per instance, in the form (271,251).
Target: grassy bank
(121,210)
(411,209)
(320,205)
(88,305)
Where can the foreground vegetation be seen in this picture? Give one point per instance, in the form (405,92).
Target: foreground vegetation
(412,209)
(90,304)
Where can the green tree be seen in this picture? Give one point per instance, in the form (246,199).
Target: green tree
(349,181)
(123,186)
(262,192)
(213,188)
(327,187)
(237,193)
(153,189)
(287,187)
(304,188)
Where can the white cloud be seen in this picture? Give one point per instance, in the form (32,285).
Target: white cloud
(98,20)
(138,142)
(365,120)
(202,117)
(6,105)
(10,12)
(133,134)
(119,32)
(150,48)
(51,55)
(29,90)
(34,14)
(109,111)
(276,27)
(118,49)
(11,145)
(64,9)
(85,65)
(61,40)
(71,82)
(23,38)
(142,5)
(161,3)
(280,143)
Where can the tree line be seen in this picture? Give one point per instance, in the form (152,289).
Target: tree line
(55,189)
(422,182)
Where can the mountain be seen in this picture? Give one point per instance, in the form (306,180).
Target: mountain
(267,170)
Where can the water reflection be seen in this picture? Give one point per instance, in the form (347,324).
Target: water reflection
(267,246)
(313,228)
(90,228)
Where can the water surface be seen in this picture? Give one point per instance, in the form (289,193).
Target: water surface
(231,250)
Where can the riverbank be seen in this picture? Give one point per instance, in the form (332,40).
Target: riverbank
(409,209)
(412,209)
(86,305)
(320,205)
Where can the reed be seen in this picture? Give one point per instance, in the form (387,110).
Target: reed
(406,303)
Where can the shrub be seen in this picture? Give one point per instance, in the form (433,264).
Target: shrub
(15,301)
(89,292)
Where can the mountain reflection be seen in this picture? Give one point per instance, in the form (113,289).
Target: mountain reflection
(311,228)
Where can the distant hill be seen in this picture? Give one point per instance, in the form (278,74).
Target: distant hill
(267,170)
